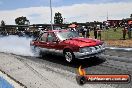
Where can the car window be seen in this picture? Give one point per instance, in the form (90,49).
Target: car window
(51,37)
(44,37)
(67,35)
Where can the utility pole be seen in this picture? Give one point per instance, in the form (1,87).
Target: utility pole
(107,16)
(51,21)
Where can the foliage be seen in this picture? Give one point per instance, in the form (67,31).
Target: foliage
(58,18)
(74,23)
(2,23)
(2,26)
(21,21)
(131,16)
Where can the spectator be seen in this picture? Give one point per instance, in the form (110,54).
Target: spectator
(129,31)
(124,32)
(99,33)
(95,33)
(83,32)
(88,32)
(80,31)
(72,29)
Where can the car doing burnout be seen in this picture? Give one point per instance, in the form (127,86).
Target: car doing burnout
(67,43)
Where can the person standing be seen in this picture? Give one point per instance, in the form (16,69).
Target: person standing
(88,32)
(124,32)
(99,33)
(83,32)
(129,31)
(95,33)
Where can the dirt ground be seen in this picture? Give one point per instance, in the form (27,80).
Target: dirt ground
(119,43)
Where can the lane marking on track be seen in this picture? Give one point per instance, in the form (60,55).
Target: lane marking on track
(117,48)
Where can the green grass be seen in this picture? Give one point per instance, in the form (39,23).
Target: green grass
(110,34)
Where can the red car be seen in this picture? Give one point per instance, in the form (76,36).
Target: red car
(67,43)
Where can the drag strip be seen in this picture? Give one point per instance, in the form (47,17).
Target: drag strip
(119,55)
(55,68)
(102,65)
(103,61)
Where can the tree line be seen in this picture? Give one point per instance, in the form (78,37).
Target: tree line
(58,19)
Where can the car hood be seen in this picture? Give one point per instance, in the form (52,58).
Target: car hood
(83,42)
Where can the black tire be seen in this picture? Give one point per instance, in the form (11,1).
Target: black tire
(36,51)
(69,56)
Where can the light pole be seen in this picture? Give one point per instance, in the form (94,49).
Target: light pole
(64,20)
(51,15)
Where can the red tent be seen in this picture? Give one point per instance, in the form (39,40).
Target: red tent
(72,25)
(130,22)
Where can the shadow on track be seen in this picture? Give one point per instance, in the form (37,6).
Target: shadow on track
(85,63)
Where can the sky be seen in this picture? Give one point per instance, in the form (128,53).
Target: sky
(38,11)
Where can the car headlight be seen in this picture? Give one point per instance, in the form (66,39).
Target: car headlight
(85,49)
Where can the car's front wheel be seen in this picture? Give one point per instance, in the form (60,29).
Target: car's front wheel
(69,56)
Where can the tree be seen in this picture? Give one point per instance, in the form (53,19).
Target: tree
(21,21)
(74,23)
(131,16)
(58,18)
(3,25)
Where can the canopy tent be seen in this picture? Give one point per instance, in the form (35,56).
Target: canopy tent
(72,26)
(130,22)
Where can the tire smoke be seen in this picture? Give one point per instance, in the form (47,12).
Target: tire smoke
(16,45)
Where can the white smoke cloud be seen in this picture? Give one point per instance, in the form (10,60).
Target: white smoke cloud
(16,45)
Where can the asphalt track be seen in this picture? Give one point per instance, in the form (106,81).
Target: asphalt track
(112,62)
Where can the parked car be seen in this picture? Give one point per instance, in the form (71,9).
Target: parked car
(67,43)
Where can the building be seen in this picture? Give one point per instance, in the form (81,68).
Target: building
(115,23)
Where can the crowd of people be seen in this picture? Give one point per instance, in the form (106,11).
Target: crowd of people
(85,31)
(97,31)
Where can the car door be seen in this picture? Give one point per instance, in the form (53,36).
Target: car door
(42,42)
(52,42)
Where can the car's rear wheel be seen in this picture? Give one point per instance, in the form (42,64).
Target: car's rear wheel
(69,56)
(36,51)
